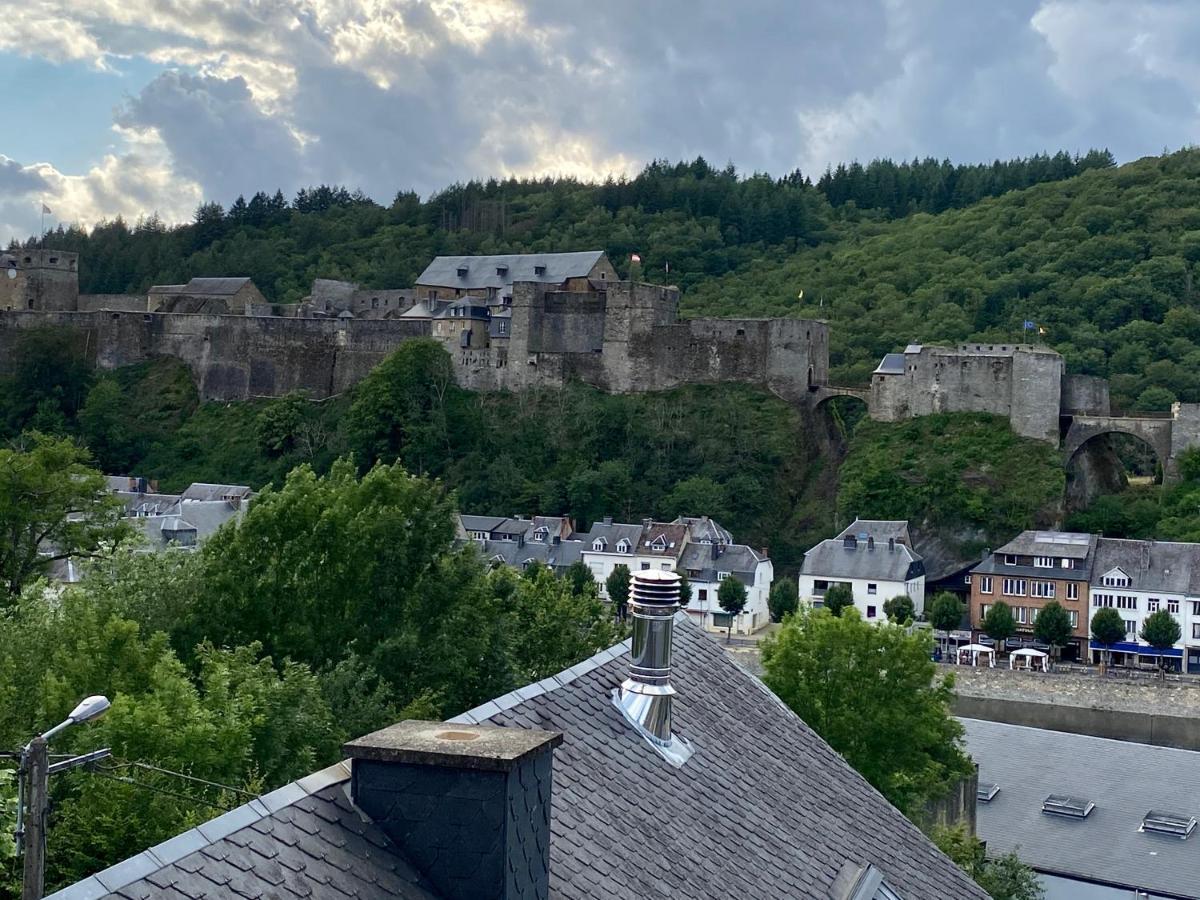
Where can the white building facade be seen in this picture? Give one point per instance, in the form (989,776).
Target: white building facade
(874,558)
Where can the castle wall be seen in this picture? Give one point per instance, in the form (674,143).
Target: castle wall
(1085,395)
(1036,397)
(570,322)
(126,302)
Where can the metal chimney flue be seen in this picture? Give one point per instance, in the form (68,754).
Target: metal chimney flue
(647,697)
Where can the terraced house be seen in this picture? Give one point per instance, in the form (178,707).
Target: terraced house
(1030,571)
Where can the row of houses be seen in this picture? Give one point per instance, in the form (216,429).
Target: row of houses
(1083,572)
(696,547)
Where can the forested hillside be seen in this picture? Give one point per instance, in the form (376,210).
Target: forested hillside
(700,221)
(1103,264)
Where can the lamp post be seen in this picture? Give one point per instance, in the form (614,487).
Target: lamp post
(33,793)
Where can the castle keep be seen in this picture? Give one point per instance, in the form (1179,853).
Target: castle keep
(39,279)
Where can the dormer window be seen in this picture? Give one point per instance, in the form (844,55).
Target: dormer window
(539,270)
(623,546)
(1010,559)
(599,544)
(541,533)
(462,271)
(501,270)
(659,543)
(1115,578)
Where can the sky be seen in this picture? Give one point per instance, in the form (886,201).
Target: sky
(138,107)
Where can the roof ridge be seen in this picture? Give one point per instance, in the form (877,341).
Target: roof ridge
(485,711)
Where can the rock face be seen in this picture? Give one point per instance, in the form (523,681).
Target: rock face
(1095,470)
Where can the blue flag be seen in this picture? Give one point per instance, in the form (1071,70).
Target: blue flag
(1029,325)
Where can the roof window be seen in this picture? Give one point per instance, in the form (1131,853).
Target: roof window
(501,270)
(462,271)
(539,270)
(1161,821)
(986,791)
(1071,807)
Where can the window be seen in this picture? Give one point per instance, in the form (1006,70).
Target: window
(721,620)
(1152,604)
(1068,563)
(1014,587)
(1115,578)
(703,595)
(1126,602)
(1173,606)
(966,579)
(870,612)
(645,566)
(721,576)
(1010,559)
(1196,607)
(1074,618)
(599,544)
(1043,589)
(1102,600)
(983,611)
(1196,630)
(1043,562)
(1021,615)
(872,588)
(623,546)
(1072,590)
(985,584)
(666,567)
(1131,627)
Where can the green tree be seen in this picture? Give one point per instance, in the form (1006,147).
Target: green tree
(1107,629)
(51,378)
(617,585)
(1161,631)
(784,598)
(945,614)
(900,609)
(685,589)
(1004,877)
(999,623)
(731,597)
(277,427)
(53,506)
(580,577)
(874,694)
(1053,626)
(400,411)
(104,429)
(838,597)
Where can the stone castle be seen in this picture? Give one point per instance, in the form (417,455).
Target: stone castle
(542,320)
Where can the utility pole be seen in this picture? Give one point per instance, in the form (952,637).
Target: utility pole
(37,767)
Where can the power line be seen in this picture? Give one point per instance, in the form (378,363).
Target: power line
(161,771)
(124,779)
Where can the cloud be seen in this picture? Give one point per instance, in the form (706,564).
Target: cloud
(394,94)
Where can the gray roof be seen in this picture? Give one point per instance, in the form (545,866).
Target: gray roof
(831,559)
(1151,565)
(296,842)
(764,808)
(167,289)
(1066,544)
(215,287)
(1125,780)
(612,533)
(703,528)
(880,529)
(738,559)
(557,556)
(891,364)
(203,491)
(481,270)
(204,516)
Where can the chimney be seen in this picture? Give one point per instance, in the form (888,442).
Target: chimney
(647,522)
(891,545)
(468,804)
(870,542)
(646,696)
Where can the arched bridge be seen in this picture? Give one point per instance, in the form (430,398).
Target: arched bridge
(818,394)
(1159,433)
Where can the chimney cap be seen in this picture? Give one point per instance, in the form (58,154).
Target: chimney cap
(457,746)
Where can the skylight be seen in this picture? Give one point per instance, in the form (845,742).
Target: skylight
(1161,821)
(1071,807)
(985,791)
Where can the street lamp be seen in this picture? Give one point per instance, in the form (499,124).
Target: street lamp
(33,788)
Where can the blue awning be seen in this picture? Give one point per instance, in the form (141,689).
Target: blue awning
(1134,647)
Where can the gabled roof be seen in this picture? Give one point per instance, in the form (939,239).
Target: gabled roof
(702,528)
(215,287)
(880,529)
(612,533)
(891,364)
(764,808)
(737,559)
(831,559)
(482,270)
(203,491)
(1124,779)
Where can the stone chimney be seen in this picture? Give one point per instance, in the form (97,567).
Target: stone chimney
(469,805)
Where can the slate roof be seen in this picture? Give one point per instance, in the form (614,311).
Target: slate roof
(736,558)
(557,556)
(1151,565)
(831,559)
(880,529)
(204,516)
(703,528)
(891,364)
(1055,544)
(1125,780)
(481,270)
(296,842)
(203,491)
(612,533)
(215,287)
(764,808)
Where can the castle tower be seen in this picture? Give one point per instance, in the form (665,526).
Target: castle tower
(39,279)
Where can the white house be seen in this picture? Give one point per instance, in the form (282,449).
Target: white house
(874,558)
(1138,578)
(706,565)
(650,545)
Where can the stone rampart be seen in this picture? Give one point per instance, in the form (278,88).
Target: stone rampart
(126,302)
